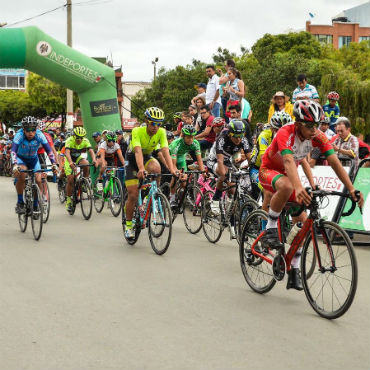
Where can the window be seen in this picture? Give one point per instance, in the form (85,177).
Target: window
(12,82)
(2,82)
(324,39)
(344,41)
(364,38)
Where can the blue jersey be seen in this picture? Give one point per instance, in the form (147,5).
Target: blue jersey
(27,149)
(331,112)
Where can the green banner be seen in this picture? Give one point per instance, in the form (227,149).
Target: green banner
(358,221)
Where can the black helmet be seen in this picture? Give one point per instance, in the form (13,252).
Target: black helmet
(170,135)
(236,127)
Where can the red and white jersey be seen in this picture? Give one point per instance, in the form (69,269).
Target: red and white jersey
(286,141)
(41,149)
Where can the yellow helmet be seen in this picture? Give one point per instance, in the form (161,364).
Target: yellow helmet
(154,114)
(79,131)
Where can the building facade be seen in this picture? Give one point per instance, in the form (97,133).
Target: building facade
(12,79)
(130,89)
(351,25)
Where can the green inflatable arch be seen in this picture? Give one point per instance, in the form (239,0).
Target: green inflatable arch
(94,82)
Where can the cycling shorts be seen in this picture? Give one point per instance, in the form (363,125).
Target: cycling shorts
(32,163)
(132,169)
(268,177)
(67,168)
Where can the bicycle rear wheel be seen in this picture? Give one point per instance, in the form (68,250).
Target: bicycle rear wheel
(23,218)
(37,212)
(332,287)
(212,225)
(257,272)
(246,209)
(45,200)
(136,222)
(192,209)
(98,197)
(61,190)
(85,198)
(115,197)
(160,224)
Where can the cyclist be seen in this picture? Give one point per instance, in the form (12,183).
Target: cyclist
(109,151)
(41,151)
(278,119)
(178,149)
(278,172)
(229,142)
(24,156)
(144,141)
(76,148)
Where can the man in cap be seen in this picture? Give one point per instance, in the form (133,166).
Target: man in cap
(201,87)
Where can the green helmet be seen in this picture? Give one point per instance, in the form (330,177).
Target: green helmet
(188,130)
(111,136)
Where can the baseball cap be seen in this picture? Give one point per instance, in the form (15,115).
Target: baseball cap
(119,132)
(96,134)
(201,84)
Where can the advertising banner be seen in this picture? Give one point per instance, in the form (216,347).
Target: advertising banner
(325,177)
(358,221)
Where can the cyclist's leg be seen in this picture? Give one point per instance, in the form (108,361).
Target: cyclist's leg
(70,183)
(19,186)
(85,170)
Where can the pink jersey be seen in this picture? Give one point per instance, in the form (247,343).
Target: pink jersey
(286,141)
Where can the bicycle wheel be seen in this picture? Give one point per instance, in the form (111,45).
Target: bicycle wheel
(115,197)
(23,218)
(62,190)
(98,197)
(37,212)
(135,220)
(45,200)
(192,209)
(160,224)
(310,260)
(85,198)
(246,209)
(332,287)
(257,272)
(212,225)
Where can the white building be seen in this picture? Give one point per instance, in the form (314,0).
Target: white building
(130,89)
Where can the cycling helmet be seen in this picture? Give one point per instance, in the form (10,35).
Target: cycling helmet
(79,131)
(236,126)
(111,136)
(218,122)
(333,95)
(280,119)
(325,120)
(30,122)
(6,137)
(170,135)
(41,125)
(154,114)
(307,111)
(96,134)
(177,115)
(189,130)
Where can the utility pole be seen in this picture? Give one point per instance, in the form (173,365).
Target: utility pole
(69,123)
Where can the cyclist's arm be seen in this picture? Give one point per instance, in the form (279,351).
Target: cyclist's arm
(307,170)
(103,162)
(335,164)
(200,162)
(49,152)
(220,165)
(13,152)
(120,156)
(91,151)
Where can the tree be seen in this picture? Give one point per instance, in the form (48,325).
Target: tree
(222,55)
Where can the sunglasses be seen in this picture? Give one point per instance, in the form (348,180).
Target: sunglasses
(155,123)
(79,137)
(111,140)
(232,134)
(30,129)
(310,125)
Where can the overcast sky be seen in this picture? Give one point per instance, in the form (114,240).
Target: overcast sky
(137,31)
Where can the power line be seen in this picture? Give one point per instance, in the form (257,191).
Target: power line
(38,15)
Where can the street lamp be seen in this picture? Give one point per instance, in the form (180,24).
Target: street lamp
(154,62)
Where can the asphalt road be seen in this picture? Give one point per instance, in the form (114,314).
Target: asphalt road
(81,298)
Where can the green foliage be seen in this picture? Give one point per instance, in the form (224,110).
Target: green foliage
(273,65)
(14,105)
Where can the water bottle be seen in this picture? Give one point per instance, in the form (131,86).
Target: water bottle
(293,232)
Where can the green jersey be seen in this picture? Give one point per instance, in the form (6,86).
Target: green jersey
(140,137)
(77,149)
(178,149)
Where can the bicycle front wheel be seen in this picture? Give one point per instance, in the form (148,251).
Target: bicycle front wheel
(332,287)
(257,272)
(212,225)
(98,196)
(23,218)
(245,210)
(160,224)
(115,197)
(192,209)
(85,198)
(37,212)
(45,200)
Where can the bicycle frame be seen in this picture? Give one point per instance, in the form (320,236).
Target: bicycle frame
(111,172)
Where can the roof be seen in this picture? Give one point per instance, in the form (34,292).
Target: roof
(358,14)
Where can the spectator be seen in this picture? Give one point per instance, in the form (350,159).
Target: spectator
(207,135)
(222,81)
(364,150)
(194,112)
(213,99)
(201,87)
(199,103)
(280,102)
(331,109)
(346,145)
(98,140)
(324,127)
(234,89)
(235,112)
(304,90)
(178,123)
